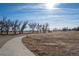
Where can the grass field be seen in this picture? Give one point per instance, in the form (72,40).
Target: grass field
(53,44)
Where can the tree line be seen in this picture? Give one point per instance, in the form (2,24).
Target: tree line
(73,29)
(67,29)
(14,26)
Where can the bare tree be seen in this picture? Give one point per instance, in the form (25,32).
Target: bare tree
(23,26)
(15,26)
(2,24)
(39,27)
(32,26)
(7,25)
(65,29)
(19,26)
(45,27)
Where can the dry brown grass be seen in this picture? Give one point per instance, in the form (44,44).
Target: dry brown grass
(53,44)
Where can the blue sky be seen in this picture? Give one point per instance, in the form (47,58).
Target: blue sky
(62,15)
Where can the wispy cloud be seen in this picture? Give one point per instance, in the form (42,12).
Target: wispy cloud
(57,17)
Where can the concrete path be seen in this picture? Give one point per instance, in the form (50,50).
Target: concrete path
(15,47)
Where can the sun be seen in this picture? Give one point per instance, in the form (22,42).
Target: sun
(50,5)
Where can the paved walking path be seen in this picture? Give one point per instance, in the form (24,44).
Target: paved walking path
(15,47)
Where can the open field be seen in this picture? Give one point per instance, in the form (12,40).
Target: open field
(53,44)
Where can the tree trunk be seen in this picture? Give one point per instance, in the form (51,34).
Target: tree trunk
(22,32)
(19,31)
(14,32)
(1,31)
(7,32)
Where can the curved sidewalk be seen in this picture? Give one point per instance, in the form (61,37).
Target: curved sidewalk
(15,47)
